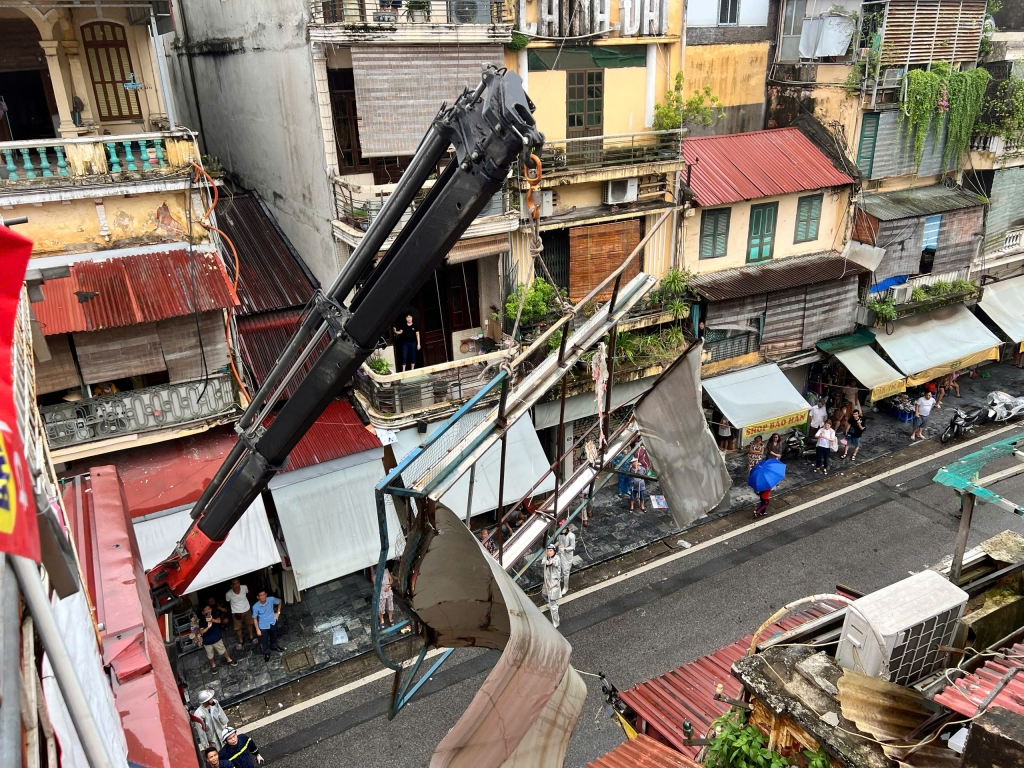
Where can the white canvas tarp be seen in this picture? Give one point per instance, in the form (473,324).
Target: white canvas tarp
(249,546)
(826,36)
(525,462)
(930,345)
(868,367)
(690,467)
(1003,302)
(329,518)
(758,400)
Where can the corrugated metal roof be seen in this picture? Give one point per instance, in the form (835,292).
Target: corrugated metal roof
(748,166)
(263,337)
(922,201)
(774,276)
(337,433)
(688,692)
(967,694)
(273,275)
(643,752)
(141,288)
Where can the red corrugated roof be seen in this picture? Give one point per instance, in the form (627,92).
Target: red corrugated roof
(141,288)
(643,752)
(156,726)
(966,694)
(272,275)
(688,692)
(174,473)
(748,166)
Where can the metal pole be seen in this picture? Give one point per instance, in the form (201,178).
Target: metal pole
(10,683)
(614,332)
(469,496)
(63,667)
(161,68)
(561,425)
(503,424)
(966,512)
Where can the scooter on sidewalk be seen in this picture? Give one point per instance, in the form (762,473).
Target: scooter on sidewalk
(1004,407)
(964,421)
(799,445)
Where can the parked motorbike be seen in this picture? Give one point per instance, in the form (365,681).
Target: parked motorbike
(1004,407)
(799,445)
(964,421)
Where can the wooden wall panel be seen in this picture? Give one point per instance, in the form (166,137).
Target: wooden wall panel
(596,251)
(182,352)
(118,353)
(59,372)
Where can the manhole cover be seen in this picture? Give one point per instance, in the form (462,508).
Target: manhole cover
(301,659)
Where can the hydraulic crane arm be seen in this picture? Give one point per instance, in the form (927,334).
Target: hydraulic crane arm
(490,128)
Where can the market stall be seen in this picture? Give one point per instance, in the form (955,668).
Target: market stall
(758,401)
(875,375)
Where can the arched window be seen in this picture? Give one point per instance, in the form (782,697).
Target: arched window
(110,66)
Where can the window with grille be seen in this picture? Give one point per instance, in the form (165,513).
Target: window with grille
(110,67)
(808,218)
(714,232)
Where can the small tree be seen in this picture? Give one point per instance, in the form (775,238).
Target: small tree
(677,111)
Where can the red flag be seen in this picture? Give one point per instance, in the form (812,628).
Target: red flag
(19,534)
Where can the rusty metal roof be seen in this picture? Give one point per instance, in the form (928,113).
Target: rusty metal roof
(263,337)
(920,201)
(272,274)
(748,166)
(338,432)
(968,693)
(688,692)
(774,276)
(141,288)
(643,752)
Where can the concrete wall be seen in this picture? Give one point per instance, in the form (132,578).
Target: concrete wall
(74,227)
(830,232)
(736,74)
(260,116)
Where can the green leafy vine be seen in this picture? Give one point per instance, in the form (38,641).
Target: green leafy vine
(958,97)
(1004,112)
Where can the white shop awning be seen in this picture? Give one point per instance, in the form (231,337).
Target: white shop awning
(583,405)
(932,344)
(328,515)
(249,546)
(868,367)
(758,400)
(1003,302)
(525,462)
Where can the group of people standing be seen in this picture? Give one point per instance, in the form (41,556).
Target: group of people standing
(221,745)
(844,428)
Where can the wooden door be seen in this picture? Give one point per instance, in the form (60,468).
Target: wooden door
(761,240)
(463,296)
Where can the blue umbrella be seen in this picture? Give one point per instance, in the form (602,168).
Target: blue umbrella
(766,475)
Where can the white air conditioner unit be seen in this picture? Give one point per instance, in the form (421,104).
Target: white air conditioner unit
(900,294)
(895,633)
(620,191)
(469,12)
(546,199)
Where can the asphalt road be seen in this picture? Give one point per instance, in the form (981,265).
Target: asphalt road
(867,538)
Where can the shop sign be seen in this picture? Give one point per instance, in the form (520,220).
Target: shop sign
(775,425)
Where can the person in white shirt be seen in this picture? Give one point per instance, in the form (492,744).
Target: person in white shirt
(922,410)
(818,415)
(238,599)
(825,436)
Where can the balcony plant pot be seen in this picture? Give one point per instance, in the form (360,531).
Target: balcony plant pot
(417,11)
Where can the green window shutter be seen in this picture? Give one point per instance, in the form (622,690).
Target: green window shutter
(714,233)
(808,218)
(722,232)
(866,148)
(707,235)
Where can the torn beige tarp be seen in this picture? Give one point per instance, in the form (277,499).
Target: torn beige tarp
(526,709)
(691,469)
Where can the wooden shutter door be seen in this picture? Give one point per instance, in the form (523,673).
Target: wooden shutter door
(866,148)
(595,252)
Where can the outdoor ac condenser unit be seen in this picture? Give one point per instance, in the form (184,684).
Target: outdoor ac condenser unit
(621,191)
(895,633)
(900,294)
(469,12)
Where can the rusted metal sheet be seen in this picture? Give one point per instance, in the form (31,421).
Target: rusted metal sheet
(688,692)
(748,166)
(129,290)
(263,337)
(527,707)
(829,310)
(337,433)
(784,321)
(774,276)
(967,694)
(643,752)
(272,275)
(921,201)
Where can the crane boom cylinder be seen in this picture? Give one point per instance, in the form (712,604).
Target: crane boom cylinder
(490,128)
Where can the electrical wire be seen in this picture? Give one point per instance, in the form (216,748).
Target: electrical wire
(195,303)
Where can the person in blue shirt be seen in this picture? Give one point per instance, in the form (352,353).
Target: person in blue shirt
(213,759)
(239,750)
(265,612)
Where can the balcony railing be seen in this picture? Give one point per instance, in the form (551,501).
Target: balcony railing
(358,205)
(410,12)
(25,163)
(723,344)
(951,276)
(136,411)
(610,151)
(1014,239)
(422,389)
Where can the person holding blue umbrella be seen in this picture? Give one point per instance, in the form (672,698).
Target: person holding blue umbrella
(763,478)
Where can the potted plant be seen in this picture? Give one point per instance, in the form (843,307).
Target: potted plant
(417,10)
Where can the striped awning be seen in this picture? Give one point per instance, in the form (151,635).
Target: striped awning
(478,248)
